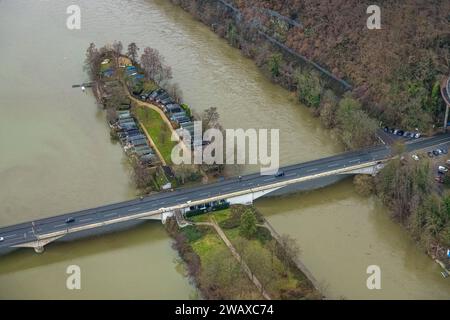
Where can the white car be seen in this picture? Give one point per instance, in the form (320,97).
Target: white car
(442,169)
(2,239)
(415,157)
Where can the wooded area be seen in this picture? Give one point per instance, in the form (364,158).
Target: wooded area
(394,71)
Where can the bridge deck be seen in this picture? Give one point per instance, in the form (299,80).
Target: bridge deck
(22,233)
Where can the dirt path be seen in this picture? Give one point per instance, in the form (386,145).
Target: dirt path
(238,257)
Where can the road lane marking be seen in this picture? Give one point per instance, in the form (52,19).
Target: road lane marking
(59,225)
(110,214)
(311,170)
(133,209)
(291,174)
(87,219)
(333,165)
(10,236)
(355,160)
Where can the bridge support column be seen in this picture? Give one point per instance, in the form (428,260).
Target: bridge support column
(39,249)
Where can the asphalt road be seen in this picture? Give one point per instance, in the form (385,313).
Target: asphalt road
(26,232)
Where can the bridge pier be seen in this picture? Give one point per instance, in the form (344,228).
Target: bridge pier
(39,249)
(38,244)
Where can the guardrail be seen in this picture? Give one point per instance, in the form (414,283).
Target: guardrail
(161,211)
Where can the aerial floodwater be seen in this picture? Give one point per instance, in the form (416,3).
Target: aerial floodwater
(57,157)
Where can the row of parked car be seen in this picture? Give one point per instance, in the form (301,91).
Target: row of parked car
(402,133)
(437,152)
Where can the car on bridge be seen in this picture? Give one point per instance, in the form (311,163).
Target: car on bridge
(279,174)
(70,220)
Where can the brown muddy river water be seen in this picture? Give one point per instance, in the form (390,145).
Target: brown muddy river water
(56,157)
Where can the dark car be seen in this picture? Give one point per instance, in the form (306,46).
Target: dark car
(70,220)
(444,150)
(279,174)
(386,129)
(400,132)
(430,154)
(436,152)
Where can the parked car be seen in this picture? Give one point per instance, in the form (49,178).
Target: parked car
(430,154)
(417,135)
(2,239)
(395,131)
(386,129)
(415,157)
(442,169)
(444,150)
(436,152)
(400,132)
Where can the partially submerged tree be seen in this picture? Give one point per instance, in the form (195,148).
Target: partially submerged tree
(174,90)
(153,64)
(288,250)
(309,88)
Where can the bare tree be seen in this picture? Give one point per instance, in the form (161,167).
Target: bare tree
(175,92)
(153,64)
(117,48)
(210,118)
(289,250)
(132,52)
(92,59)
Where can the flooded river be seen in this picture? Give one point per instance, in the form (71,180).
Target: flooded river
(56,157)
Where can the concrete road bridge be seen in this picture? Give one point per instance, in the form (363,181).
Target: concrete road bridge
(36,234)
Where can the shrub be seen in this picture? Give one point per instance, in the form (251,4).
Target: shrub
(263,234)
(192,233)
(248,227)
